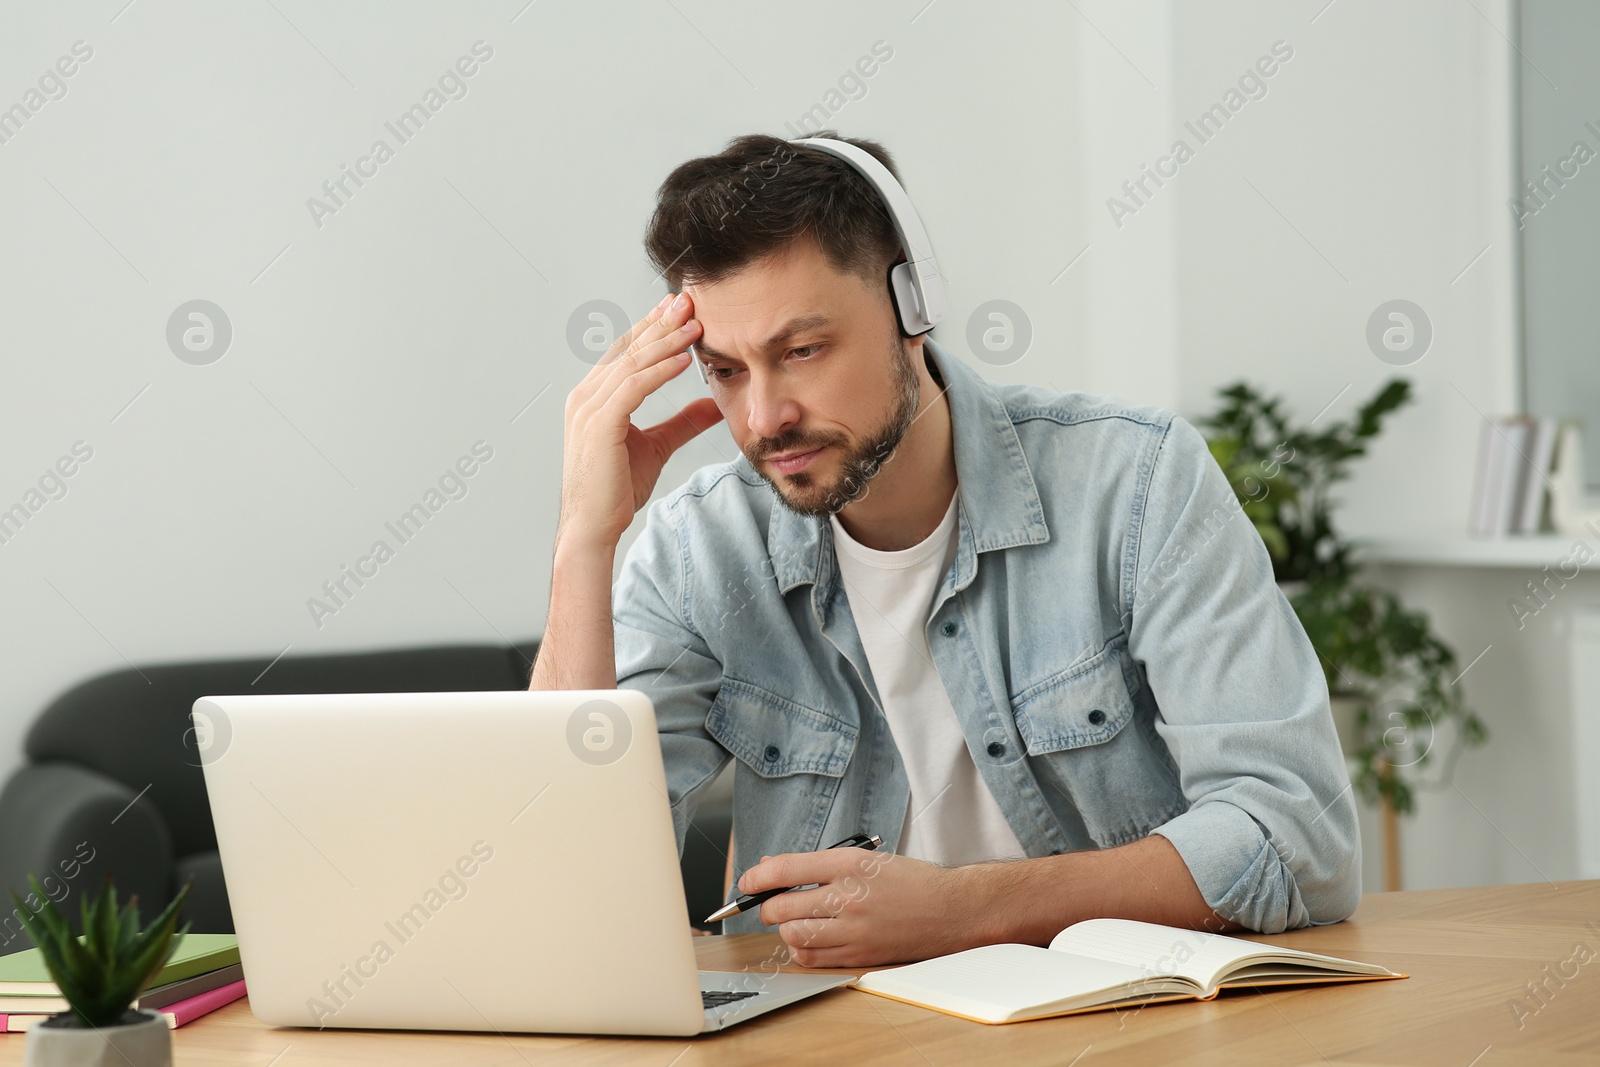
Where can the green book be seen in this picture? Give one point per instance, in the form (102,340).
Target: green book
(24,973)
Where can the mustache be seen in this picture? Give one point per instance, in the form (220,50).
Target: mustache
(771,446)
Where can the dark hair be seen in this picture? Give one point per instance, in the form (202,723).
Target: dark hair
(718,214)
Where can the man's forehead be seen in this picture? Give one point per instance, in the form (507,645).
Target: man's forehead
(772,302)
(760,333)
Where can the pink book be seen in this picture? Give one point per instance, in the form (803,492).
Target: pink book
(176,1015)
(187,1011)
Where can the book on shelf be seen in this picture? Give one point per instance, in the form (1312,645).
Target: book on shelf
(1512,479)
(1100,964)
(1535,481)
(176,1013)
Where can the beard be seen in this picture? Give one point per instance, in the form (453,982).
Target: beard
(807,495)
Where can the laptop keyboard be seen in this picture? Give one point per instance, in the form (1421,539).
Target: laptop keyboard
(716,998)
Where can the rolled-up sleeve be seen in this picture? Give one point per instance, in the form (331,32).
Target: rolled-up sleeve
(1270,835)
(658,653)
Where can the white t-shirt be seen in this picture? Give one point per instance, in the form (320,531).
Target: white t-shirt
(951,817)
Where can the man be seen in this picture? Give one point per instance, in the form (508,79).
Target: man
(1026,637)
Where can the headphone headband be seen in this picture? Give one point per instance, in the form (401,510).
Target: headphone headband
(915,285)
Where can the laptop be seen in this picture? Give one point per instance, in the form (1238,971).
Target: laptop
(495,861)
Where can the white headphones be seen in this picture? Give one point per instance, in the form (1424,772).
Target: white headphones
(915,285)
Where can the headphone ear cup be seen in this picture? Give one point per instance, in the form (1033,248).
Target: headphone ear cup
(903,294)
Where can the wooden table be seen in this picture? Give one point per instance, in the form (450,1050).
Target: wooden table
(1470,953)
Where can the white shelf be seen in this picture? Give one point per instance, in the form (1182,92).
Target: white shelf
(1526,552)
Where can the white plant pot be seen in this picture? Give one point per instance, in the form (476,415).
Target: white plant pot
(59,1042)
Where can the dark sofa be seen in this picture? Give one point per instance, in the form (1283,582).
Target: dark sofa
(113,780)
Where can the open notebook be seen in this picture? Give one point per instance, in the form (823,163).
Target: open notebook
(1103,963)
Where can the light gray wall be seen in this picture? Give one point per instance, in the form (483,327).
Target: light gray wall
(1376,168)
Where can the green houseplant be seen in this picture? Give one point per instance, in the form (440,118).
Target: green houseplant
(1381,659)
(101,974)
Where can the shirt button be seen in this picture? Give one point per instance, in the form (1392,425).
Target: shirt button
(948,629)
(771,753)
(1097,717)
(996,749)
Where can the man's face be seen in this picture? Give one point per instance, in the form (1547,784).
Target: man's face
(810,373)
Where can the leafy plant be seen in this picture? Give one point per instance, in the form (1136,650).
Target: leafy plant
(1261,444)
(102,973)
(1372,649)
(1372,646)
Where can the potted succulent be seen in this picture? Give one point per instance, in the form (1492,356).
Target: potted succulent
(1391,680)
(101,974)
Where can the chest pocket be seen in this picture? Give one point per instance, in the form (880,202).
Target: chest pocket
(776,737)
(1084,705)
(1095,753)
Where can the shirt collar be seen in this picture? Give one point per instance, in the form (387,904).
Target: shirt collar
(999,503)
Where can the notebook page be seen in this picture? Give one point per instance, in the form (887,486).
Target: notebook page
(1194,954)
(997,981)
(1155,949)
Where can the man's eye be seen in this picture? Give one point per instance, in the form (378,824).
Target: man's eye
(804,351)
(722,374)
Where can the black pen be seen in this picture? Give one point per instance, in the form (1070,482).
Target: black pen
(866,841)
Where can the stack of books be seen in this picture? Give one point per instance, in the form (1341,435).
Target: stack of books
(202,976)
(1514,458)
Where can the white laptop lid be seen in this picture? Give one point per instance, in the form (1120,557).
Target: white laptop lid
(464,861)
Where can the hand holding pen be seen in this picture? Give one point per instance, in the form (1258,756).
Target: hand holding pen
(864,841)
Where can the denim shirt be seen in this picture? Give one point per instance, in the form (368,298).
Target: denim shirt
(1110,635)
